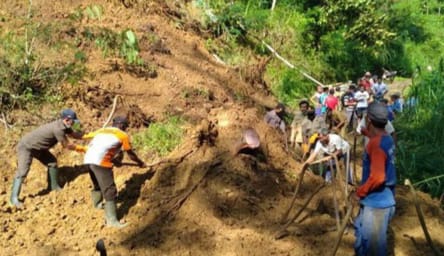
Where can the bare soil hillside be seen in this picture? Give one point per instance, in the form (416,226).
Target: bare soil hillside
(201,200)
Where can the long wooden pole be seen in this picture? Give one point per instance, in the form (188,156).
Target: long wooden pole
(286,62)
(421,217)
(112,111)
(342,229)
(335,199)
(283,231)
(301,176)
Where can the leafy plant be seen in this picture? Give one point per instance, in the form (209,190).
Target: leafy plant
(160,138)
(420,132)
(129,48)
(106,39)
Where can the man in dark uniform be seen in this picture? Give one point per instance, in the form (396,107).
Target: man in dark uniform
(37,143)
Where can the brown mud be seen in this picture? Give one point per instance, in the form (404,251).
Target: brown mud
(200,200)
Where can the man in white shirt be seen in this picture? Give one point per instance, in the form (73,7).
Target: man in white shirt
(334,146)
(362,98)
(379,89)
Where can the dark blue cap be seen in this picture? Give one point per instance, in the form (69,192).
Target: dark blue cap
(69,113)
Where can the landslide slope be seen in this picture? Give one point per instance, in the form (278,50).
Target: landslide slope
(201,200)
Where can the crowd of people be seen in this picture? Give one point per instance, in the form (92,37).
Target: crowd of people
(319,130)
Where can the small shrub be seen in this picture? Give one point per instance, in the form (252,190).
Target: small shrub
(160,138)
(190,92)
(129,48)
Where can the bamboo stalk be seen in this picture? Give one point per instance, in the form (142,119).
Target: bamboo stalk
(429,179)
(286,62)
(421,217)
(342,229)
(335,199)
(283,231)
(301,176)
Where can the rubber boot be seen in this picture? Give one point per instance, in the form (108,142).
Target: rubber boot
(53,183)
(15,191)
(97,198)
(111,216)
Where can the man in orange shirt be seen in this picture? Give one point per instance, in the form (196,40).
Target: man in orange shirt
(106,143)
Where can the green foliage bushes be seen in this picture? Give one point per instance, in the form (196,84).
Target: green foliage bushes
(160,138)
(25,78)
(420,132)
(337,41)
(333,40)
(123,44)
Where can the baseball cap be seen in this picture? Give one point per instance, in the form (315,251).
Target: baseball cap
(69,113)
(377,112)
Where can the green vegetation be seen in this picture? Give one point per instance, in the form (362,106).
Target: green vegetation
(25,78)
(337,41)
(333,40)
(420,133)
(112,44)
(160,138)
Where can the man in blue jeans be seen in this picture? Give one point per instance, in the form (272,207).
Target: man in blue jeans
(376,194)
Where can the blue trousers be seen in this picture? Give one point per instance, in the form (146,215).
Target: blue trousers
(371,230)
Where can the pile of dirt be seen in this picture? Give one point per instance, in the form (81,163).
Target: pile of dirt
(200,199)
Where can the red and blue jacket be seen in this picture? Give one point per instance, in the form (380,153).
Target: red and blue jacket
(378,173)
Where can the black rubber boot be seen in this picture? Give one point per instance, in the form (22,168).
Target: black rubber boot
(53,175)
(97,198)
(111,216)
(15,191)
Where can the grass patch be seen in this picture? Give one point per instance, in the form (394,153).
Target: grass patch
(160,138)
